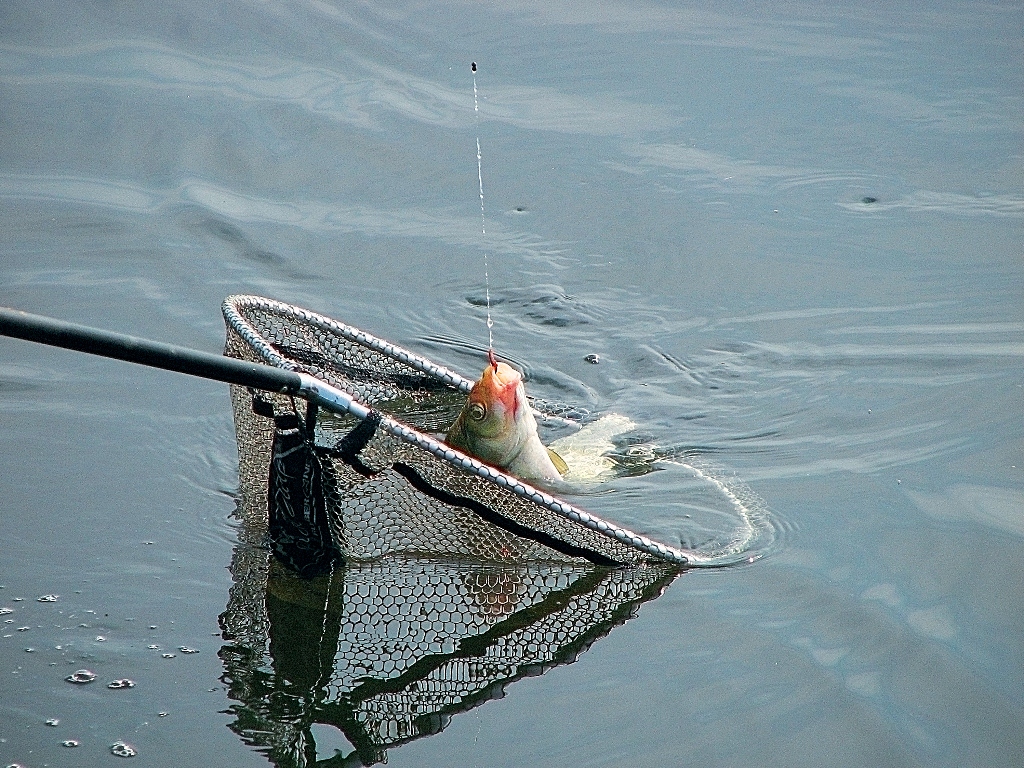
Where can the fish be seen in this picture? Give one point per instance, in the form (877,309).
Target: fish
(586,452)
(497,426)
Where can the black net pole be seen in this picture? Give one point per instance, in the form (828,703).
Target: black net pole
(119,346)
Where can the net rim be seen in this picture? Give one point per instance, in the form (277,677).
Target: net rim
(325,393)
(233,317)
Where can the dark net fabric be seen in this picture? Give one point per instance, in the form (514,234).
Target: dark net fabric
(383,492)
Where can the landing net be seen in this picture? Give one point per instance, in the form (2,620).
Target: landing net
(362,487)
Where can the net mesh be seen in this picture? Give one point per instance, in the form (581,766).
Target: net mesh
(386,485)
(387,651)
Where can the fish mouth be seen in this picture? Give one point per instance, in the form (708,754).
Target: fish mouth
(502,383)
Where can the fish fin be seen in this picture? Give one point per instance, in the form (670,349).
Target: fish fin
(558,461)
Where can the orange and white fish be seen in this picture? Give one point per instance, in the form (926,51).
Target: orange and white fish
(497,426)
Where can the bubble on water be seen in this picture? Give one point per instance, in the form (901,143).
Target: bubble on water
(24,629)
(168,655)
(30,650)
(153,647)
(122,683)
(81,677)
(70,743)
(100,639)
(593,359)
(15,765)
(47,598)
(162,714)
(121,749)
(186,649)
(5,611)
(53,722)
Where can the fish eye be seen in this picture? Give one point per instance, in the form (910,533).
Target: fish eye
(477,412)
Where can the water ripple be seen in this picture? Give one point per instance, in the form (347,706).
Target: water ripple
(462,231)
(357,96)
(727,174)
(998,508)
(926,201)
(948,354)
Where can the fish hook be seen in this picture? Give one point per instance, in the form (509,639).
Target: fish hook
(492,359)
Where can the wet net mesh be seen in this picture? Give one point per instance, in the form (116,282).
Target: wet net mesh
(340,487)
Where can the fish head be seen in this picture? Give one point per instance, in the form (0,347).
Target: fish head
(497,426)
(495,401)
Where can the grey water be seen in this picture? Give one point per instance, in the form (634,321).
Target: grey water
(791,232)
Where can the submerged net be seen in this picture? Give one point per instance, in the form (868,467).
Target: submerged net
(341,487)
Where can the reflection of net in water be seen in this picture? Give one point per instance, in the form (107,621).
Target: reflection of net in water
(388,651)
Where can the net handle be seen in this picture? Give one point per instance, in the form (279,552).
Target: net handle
(119,346)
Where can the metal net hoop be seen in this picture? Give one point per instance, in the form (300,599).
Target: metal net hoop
(389,485)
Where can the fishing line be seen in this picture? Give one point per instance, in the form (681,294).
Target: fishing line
(483,218)
(755,529)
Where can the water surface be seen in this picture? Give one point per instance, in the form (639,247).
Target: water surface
(792,234)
